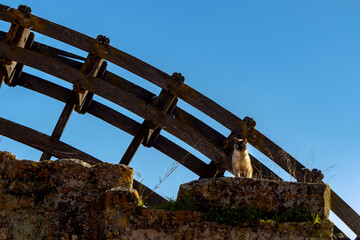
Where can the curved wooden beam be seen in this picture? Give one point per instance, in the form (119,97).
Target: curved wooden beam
(208,132)
(209,146)
(42,142)
(161,79)
(116,119)
(119,96)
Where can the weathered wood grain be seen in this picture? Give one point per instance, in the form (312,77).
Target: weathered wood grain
(162,103)
(61,123)
(345,213)
(42,142)
(142,133)
(195,140)
(207,105)
(118,96)
(117,120)
(39,47)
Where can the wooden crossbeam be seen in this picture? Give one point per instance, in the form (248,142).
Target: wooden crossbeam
(17,36)
(142,133)
(149,132)
(117,120)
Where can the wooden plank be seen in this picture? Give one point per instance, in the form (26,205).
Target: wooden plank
(162,144)
(340,235)
(42,142)
(39,47)
(64,118)
(117,120)
(112,93)
(59,71)
(120,97)
(261,171)
(44,87)
(129,87)
(147,96)
(61,123)
(135,144)
(345,213)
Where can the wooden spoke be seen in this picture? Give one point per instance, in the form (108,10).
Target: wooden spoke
(61,123)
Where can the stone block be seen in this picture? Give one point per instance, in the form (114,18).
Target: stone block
(266,195)
(62,199)
(189,225)
(21,176)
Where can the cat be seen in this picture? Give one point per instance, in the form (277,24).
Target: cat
(241,159)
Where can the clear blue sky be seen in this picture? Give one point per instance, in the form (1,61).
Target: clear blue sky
(291,65)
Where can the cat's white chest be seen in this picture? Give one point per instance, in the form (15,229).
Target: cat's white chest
(240,157)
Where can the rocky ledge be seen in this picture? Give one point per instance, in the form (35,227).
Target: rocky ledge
(265,195)
(70,199)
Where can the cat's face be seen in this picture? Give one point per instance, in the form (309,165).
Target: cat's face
(240,144)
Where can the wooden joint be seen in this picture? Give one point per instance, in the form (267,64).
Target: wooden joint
(17,36)
(93,66)
(21,13)
(229,143)
(178,77)
(148,131)
(214,170)
(25,10)
(165,102)
(246,127)
(250,123)
(313,176)
(103,40)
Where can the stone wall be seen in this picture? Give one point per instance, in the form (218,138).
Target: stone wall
(70,199)
(266,195)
